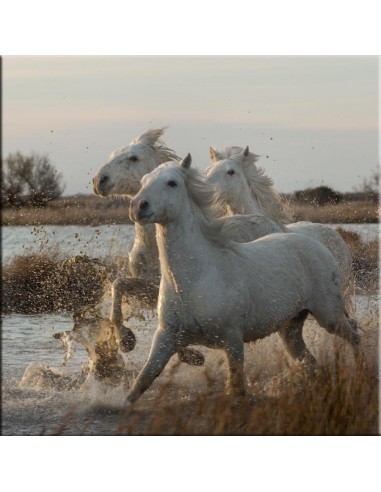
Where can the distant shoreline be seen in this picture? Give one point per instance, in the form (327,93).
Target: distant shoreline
(95,211)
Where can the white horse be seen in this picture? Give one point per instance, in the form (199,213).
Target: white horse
(220,294)
(244,188)
(121,175)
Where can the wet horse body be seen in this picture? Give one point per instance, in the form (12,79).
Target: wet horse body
(243,188)
(221,294)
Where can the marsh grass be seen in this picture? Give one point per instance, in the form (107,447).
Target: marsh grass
(93,210)
(365,257)
(342,399)
(42,283)
(353,212)
(74,210)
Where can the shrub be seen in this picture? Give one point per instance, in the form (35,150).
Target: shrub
(319,196)
(29,180)
(41,283)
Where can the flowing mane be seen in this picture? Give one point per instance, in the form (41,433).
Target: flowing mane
(261,185)
(206,210)
(150,140)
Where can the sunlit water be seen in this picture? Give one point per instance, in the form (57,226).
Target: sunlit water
(40,394)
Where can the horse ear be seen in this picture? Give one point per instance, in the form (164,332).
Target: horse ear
(186,162)
(245,153)
(214,155)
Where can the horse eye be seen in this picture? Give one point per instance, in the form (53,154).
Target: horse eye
(172,183)
(230,172)
(133,158)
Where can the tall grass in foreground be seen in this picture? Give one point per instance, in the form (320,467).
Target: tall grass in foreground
(340,400)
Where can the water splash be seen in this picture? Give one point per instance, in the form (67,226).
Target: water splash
(40,376)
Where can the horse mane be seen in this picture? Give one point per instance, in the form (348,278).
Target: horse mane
(206,210)
(261,185)
(151,140)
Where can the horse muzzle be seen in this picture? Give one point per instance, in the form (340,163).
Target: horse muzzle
(102,184)
(140,210)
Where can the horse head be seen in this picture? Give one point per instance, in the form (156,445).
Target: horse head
(126,166)
(227,176)
(161,196)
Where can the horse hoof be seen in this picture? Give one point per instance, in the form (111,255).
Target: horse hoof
(127,340)
(191,357)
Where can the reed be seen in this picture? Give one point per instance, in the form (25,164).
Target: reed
(42,283)
(75,210)
(342,213)
(92,210)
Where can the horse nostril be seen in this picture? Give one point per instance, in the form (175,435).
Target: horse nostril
(103,179)
(143,204)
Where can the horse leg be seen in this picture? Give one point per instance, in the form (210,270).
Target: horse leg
(118,288)
(235,356)
(292,336)
(125,336)
(162,349)
(347,329)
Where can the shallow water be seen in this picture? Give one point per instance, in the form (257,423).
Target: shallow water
(41,395)
(38,394)
(100,241)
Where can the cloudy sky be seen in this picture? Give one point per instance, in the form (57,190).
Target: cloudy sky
(314,120)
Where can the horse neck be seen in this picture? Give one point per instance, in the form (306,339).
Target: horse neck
(145,236)
(184,252)
(268,203)
(245,203)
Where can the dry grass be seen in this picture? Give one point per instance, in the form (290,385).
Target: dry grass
(342,399)
(332,404)
(75,210)
(342,213)
(41,283)
(365,261)
(93,210)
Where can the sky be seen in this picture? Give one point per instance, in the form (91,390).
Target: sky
(313,119)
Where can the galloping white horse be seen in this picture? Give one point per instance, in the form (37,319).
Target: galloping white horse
(121,175)
(220,294)
(244,188)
